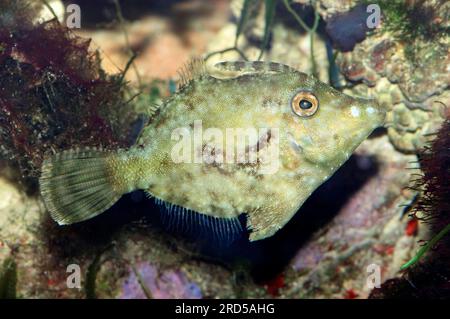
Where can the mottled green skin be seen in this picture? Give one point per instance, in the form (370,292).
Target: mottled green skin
(311,149)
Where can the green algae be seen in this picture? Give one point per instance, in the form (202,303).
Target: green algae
(8,279)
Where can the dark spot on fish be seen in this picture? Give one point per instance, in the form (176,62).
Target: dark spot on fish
(269,102)
(161,121)
(238,100)
(189,105)
(239,65)
(286,117)
(213,195)
(263,140)
(251,169)
(208,91)
(166,161)
(246,78)
(222,170)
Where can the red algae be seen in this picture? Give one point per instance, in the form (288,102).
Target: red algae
(426,275)
(53,93)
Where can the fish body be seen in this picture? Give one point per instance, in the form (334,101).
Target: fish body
(258,142)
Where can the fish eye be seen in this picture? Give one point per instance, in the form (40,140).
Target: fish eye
(305,104)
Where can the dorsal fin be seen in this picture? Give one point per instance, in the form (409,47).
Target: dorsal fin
(237,68)
(194,69)
(187,222)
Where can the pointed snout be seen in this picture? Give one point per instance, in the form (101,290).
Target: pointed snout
(372,111)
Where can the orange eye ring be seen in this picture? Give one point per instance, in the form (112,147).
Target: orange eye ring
(305,104)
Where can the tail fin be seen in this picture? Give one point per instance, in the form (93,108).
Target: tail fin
(78,185)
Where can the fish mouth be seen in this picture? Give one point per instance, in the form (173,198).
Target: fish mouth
(374,111)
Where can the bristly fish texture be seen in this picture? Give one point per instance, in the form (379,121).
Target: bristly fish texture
(296,130)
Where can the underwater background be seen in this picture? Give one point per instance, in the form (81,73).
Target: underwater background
(64,86)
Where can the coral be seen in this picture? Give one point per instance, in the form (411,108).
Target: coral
(404,70)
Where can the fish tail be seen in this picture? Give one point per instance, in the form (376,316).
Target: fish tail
(77,185)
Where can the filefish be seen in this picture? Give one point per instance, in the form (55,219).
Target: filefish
(305,130)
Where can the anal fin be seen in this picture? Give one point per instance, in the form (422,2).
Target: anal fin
(191,223)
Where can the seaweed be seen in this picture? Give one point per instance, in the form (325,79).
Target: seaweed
(414,23)
(269,16)
(433,205)
(269,13)
(413,20)
(91,274)
(426,274)
(127,42)
(141,281)
(247,7)
(54,94)
(310,30)
(8,279)
(243,18)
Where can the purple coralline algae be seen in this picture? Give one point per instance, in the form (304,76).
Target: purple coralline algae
(145,281)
